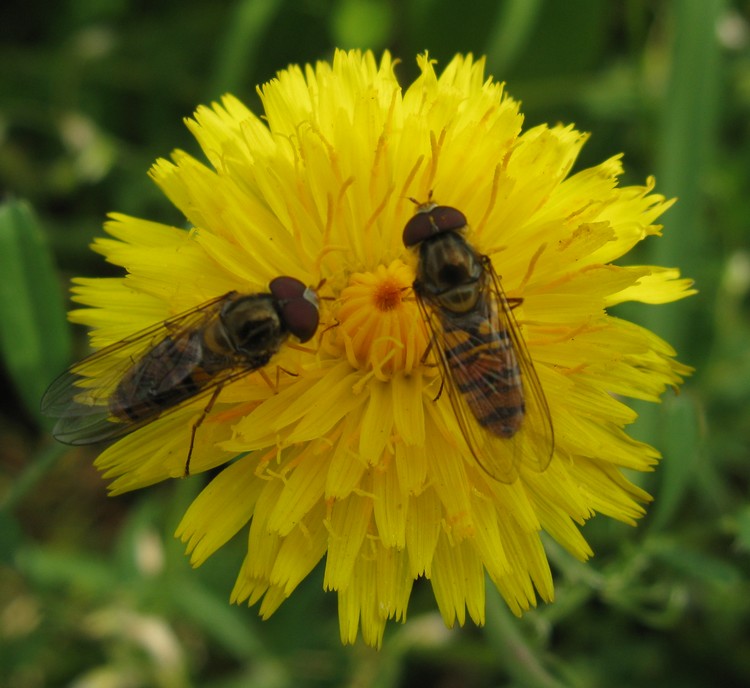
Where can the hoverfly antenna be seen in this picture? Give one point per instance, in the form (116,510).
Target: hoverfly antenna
(421,204)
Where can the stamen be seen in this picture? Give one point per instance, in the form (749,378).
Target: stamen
(436,146)
(381,207)
(410,176)
(532,265)
(479,227)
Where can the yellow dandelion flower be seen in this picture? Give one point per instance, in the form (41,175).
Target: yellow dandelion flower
(346,448)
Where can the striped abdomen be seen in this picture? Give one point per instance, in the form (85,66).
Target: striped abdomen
(172,372)
(484,368)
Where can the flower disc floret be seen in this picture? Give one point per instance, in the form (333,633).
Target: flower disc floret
(379,326)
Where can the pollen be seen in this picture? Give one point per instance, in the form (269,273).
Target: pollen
(388,295)
(380,327)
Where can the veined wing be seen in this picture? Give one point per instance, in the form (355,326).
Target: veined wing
(493,387)
(81,398)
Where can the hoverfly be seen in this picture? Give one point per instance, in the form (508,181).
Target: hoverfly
(131,383)
(495,392)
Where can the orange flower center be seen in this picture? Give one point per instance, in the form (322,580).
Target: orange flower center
(380,328)
(388,294)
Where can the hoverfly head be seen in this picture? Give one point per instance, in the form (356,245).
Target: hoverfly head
(298,305)
(430,220)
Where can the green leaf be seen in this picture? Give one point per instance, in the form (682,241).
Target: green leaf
(35,337)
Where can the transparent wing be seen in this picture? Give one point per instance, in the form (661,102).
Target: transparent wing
(81,397)
(536,439)
(493,388)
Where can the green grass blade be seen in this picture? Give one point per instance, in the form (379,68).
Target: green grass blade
(515,654)
(687,144)
(510,35)
(681,448)
(238,51)
(35,337)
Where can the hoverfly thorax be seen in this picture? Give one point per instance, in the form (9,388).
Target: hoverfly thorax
(450,272)
(250,324)
(257,323)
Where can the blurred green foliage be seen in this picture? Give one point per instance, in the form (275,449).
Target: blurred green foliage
(95,591)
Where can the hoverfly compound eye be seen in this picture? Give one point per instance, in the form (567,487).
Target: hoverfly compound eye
(431,219)
(298,304)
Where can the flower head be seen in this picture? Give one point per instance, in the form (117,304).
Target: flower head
(344,447)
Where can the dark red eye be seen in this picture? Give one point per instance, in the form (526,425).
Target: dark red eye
(298,304)
(430,221)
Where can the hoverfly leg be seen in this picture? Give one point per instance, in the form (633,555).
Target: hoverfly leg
(196,425)
(514,302)
(275,386)
(424,363)
(280,370)
(332,326)
(423,360)
(440,390)
(426,351)
(284,370)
